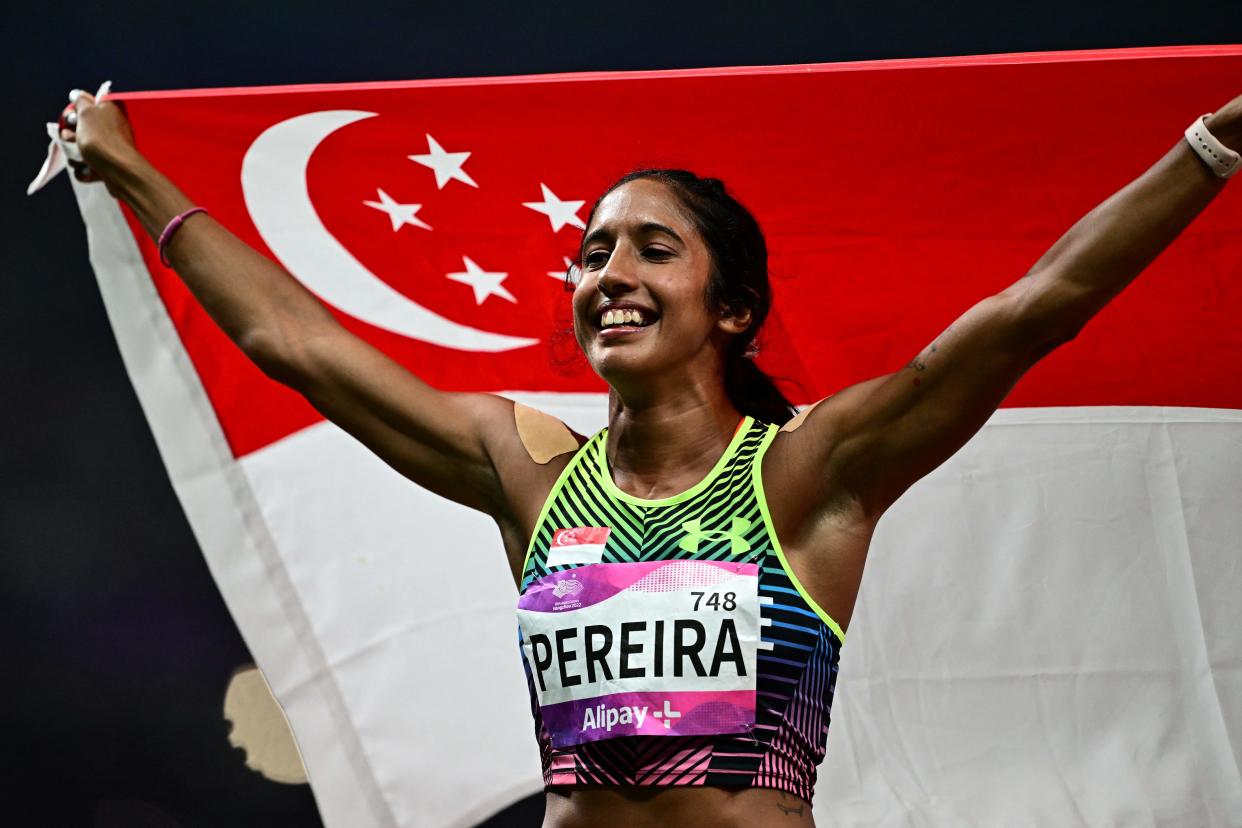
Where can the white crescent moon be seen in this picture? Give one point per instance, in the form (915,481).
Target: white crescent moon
(273,181)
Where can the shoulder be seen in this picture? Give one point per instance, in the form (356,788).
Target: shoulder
(809,457)
(543,436)
(826,427)
(523,441)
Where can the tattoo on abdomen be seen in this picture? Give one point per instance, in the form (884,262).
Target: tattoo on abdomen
(789,809)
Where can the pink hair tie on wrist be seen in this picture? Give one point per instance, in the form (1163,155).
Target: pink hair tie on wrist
(173,226)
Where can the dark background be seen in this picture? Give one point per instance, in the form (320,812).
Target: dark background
(119,645)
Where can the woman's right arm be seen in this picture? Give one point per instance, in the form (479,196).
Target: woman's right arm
(437,439)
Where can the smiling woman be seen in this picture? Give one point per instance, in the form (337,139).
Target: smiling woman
(680,629)
(737,276)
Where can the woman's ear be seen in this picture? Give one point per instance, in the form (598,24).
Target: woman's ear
(736,317)
(735,320)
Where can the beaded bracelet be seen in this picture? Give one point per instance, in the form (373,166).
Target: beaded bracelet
(171,228)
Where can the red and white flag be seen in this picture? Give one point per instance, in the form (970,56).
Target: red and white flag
(578,545)
(1049,630)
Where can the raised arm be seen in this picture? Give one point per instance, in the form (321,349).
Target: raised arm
(446,442)
(877,438)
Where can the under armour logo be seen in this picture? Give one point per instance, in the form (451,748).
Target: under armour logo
(695,533)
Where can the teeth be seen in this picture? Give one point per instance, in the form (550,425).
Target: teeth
(624,316)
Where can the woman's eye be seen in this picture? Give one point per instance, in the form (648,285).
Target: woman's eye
(596,258)
(657,253)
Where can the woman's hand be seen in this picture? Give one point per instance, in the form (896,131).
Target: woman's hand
(103,137)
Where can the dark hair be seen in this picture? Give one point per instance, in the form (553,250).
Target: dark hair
(739,280)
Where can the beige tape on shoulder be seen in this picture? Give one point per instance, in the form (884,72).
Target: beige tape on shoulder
(543,435)
(800,418)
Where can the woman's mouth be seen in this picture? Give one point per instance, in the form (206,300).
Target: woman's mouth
(616,322)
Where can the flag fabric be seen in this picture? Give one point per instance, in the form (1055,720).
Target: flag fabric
(1050,625)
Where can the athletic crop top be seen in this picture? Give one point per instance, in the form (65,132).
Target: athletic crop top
(666,642)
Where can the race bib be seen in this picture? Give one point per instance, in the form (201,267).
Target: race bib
(665,648)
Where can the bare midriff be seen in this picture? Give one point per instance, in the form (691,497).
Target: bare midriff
(696,807)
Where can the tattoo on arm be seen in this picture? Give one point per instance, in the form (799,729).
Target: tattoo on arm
(919,363)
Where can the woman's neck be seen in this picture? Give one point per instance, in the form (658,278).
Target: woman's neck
(667,445)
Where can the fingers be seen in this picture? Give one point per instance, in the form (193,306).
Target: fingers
(78,100)
(100,132)
(68,121)
(69,115)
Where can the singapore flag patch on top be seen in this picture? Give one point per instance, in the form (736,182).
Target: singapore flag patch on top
(580,545)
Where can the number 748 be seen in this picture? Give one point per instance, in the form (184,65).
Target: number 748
(715,600)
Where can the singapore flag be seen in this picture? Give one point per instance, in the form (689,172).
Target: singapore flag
(1050,626)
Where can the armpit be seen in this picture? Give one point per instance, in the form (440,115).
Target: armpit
(543,435)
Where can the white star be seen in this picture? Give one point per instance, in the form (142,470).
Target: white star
(558,212)
(560,274)
(485,284)
(400,214)
(447,165)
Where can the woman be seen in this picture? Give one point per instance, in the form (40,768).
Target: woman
(680,629)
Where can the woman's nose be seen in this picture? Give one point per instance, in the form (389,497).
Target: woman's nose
(617,276)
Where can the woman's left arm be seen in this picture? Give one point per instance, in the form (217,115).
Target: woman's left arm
(877,438)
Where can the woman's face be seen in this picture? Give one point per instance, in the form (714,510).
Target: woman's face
(639,306)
